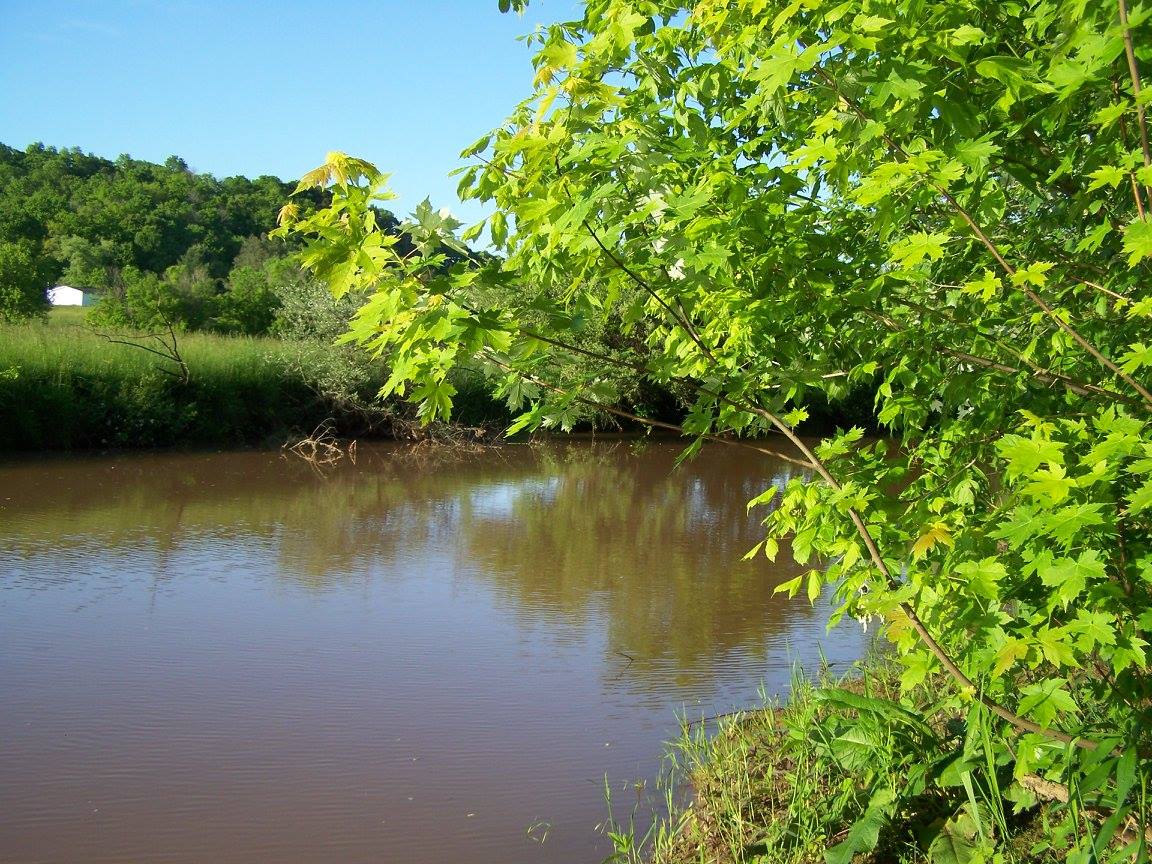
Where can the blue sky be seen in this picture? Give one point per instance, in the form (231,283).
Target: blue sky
(268,87)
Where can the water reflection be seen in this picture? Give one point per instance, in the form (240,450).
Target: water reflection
(507,614)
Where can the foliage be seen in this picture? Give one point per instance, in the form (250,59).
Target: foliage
(775,201)
(158,243)
(786,780)
(155,241)
(23,282)
(310,321)
(96,216)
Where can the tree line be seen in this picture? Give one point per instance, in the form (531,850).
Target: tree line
(154,241)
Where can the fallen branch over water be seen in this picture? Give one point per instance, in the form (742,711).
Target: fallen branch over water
(322,447)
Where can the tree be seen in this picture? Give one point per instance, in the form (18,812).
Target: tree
(94,214)
(88,264)
(24,280)
(247,305)
(945,200)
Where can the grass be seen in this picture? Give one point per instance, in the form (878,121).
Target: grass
(835,774)
(62,386)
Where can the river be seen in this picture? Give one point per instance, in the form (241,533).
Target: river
(425,656)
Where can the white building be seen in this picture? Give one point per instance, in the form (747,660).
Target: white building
(66,295)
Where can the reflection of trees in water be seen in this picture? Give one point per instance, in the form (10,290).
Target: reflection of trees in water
(654,553)
(324,528)
(607,534)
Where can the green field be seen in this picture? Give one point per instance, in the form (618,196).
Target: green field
(64,386)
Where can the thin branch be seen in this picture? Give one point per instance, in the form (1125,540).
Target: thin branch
(1134,74)
(918,625)
(1088,346)
(678,316)
(858,522)
(1124,138)
(1040,374)
(1047,375)
(645,421)
(1136,197)
(1096,286)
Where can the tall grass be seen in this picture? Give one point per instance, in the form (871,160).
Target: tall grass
(63,386)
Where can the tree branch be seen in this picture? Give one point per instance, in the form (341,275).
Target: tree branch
(1134,74)
(930,642)
(645,421)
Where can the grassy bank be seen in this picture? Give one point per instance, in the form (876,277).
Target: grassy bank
(836,770)
(63,386)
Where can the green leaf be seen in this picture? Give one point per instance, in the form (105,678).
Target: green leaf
(967,35)
(870,23)
(790,587)
(1025,455)
(1137,357)
(1049,485)
(1046,700)
(976,153)
(1141,499)
(985,287)
(1065,523)
(1055,646)
(957,842)
(982,577)
(1093,629)
(815,583)
(1070,577)
(1109,114)
(1110,175)
(865,832)
(763,498)
(913,249)
(1138,241)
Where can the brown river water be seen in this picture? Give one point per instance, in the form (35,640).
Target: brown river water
(417,658)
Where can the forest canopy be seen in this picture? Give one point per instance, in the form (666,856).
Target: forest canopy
(145,236)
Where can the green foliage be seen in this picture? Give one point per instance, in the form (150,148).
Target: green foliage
(97,216)
(769,203)
(847,771)
(23,282)
(310,321)
(159,243)
(248,305)
(155,241)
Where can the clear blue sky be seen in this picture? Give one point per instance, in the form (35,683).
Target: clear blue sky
(268,87)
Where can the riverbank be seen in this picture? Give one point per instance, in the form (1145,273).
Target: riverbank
(838,774)
(65,387)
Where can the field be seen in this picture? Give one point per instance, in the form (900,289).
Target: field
(64,386)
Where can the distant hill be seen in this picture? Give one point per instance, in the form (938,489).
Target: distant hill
(94,216)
